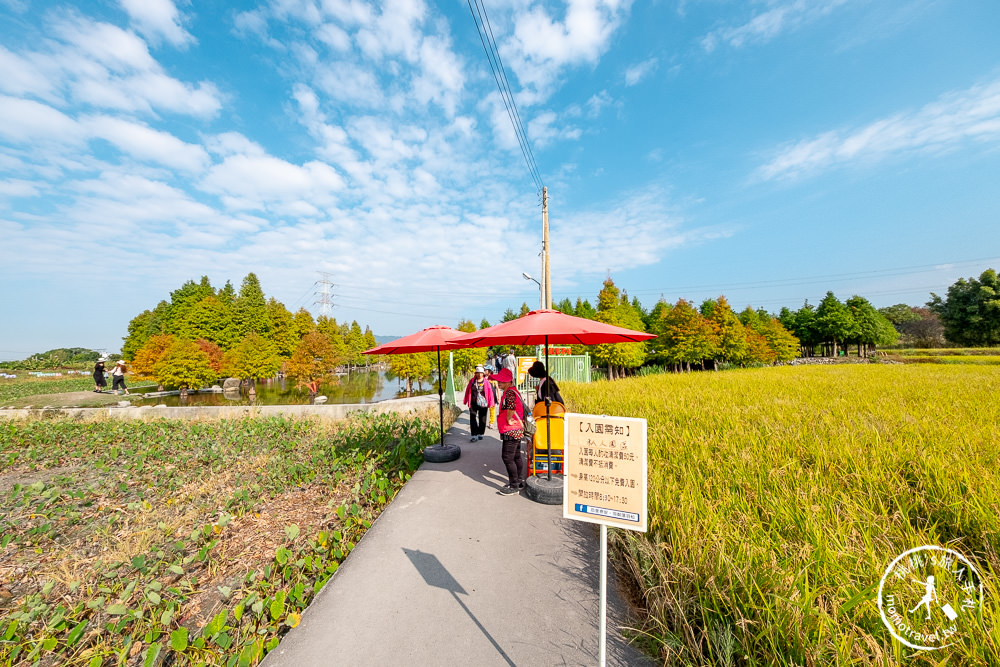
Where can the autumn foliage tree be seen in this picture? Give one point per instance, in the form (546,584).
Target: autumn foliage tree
(146,357)
(313,359)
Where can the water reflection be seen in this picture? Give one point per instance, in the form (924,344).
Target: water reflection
(357,387)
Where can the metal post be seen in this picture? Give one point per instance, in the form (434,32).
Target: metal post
(548,423)
(547,277)
(604,592)
(440,397)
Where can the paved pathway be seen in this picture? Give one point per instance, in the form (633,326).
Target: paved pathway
(453,573)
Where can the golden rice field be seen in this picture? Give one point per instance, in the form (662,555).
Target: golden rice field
(778,497)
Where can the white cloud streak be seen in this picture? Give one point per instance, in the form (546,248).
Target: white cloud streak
(158,19)
(781,16)
(971,115)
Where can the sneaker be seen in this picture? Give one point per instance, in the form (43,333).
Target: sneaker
(508,490)
(479,437)
(522,484)
(473,438)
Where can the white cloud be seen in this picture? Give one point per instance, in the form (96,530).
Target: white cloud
(636,73)
(147,144)
(545,128)
(255,181)
(634,231)
(953,119)
(104,66)
(26,121)
(158,19)
(781,16)
(542,46)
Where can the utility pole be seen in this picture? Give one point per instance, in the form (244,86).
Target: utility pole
(325,295)
(546,263)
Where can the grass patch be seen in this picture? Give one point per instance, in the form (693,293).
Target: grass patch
(169,542)
(777,497)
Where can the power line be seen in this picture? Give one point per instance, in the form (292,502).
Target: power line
(485,30)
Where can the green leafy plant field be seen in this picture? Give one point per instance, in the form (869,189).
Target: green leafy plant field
(11,389)
(171,543)
(778,497)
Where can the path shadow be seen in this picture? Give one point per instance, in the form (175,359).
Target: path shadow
(436,575)
(492,473)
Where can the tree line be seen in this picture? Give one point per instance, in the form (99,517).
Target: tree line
(202,333)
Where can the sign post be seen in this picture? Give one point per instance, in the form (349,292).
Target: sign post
(604,482)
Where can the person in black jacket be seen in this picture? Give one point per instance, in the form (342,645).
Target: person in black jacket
(547,387)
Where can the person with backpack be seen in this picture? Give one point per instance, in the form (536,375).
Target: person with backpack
(510,423)
(479,398)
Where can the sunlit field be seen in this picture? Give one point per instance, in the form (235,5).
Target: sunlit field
(779,496)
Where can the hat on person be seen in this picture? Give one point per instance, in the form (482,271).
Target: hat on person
(121,361)
(537,370)
(480,369)
(102,358)
(503,376)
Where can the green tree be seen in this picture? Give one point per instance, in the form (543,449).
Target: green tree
(899,314)
(524,309)
(144,326)
(566,306)
(284,333)
(781,340)
(304,322)
(484,324)
(370,342)
(585,310)
(873,329)
(688,338)
(834,323)
(210,319)
(255,357)
(970,312)
(732,344)
(355,343)
(328,327)
(250,310)
(614,308)
(468,358)
(184,364)
(413,367)
(182,302)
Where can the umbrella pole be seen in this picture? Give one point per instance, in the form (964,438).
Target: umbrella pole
(440,398)
(548,404)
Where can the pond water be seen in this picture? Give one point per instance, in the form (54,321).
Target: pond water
(358,387)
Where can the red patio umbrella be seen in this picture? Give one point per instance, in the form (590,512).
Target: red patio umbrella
(545,326)
(430,339)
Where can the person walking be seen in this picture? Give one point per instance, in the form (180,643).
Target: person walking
(100,384)
(118,377)
(510,423)
(479,398)
(510,363)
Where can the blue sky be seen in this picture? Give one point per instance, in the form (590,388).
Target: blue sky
(766,150)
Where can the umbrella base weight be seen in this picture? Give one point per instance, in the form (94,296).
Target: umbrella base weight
(545,491)
(442,453)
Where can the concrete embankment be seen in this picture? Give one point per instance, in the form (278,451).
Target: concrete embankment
(324,412)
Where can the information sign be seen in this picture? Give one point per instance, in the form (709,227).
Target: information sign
(605,470)
(523,364)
